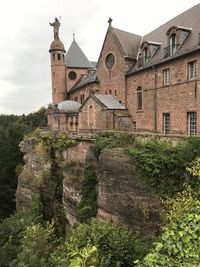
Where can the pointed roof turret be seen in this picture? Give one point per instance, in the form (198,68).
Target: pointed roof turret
(75,58)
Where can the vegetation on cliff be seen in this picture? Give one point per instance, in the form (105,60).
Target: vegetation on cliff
(179,243)
(87,208)
(159,164)
(27,239)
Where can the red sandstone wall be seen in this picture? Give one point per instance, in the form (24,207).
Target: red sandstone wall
(57,77)
(92,116)
(85,90)
(180,97)
(113,79)
(70,83)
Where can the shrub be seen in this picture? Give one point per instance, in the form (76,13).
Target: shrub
(37,244)
(116,245)
(180,242)
(162,166)
(11,231)
(111,140)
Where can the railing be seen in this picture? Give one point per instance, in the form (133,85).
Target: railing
(170,50)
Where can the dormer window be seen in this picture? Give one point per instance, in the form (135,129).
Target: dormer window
(145,55)
(176,37)
(172,44)
(148,50)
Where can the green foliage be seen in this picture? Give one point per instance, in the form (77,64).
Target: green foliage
(116,245)
(12,130)
(37,244)
(11,231)
(88,205)
(180,242)
(85,257)
(162,166)
(48,142)
(111,140)
(62,141)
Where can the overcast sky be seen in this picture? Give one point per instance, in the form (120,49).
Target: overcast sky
(25,83)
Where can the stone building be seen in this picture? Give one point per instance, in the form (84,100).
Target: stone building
(145,83)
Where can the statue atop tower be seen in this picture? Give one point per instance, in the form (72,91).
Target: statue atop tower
(56,26)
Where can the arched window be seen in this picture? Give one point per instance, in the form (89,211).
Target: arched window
(139,98)
(110,92)
(172,44)
(115,92)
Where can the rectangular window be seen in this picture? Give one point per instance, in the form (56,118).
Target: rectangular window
(166,77)
(58,56)
(166,123)
(192,123)
(192,70)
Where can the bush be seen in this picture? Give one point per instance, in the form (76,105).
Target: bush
(180,242)
(11,232)
(162,166)
(111,140)
(116,245)
(37,244)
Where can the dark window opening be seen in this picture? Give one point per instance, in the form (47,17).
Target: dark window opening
(58,56)
(72,75)
(139,98)
(172,43)
(110,61)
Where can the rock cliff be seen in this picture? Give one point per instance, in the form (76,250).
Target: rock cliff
(58,177)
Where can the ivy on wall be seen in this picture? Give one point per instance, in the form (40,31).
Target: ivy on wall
(162,166)
(88,205)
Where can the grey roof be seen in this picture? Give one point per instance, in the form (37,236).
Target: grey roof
(75,58)
(189,19)
(94,64)
(85,79)
(129,42)
(109,101)
(69,106)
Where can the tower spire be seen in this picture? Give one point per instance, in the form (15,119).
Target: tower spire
(73,35)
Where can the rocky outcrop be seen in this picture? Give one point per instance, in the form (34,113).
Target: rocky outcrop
(57,177)
(122,197)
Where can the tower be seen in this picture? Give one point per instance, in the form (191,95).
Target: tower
(57,57)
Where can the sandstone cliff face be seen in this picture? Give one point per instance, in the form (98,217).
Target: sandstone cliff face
(122,197)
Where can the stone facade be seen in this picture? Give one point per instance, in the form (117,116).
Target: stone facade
(155,77)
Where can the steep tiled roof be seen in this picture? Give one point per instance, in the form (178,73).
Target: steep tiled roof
(129,42)
(75,58)
(109,101)
(190,19)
